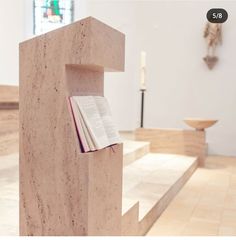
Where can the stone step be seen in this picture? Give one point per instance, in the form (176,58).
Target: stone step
(130,222)
(9,97)
(152,182)
(133,150)
(9,161)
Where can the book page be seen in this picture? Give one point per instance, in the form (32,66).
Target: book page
(83,132)
(89,138)
(79,127)
(92,120)
(105,114)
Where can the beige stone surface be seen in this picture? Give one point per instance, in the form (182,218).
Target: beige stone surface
(9,194)
(130,222)
(206,204)
(9,128)
(134,150)
(161,205)
(87,187)
(104,192)
(152,181)
(176,141)
(9,97)
(200,228)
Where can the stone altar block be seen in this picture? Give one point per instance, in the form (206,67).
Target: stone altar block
(62,190)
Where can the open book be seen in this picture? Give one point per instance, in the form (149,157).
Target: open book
(94,124)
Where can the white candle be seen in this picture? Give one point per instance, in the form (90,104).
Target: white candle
(143,71)
(143,59)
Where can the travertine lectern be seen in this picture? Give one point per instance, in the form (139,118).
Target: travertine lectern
(64,191)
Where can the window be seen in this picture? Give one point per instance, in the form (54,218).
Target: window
(51,14)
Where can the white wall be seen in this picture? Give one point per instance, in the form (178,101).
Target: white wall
(11,25)
(80,10)
(179,83)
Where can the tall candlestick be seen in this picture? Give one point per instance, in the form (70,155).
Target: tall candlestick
(142,84)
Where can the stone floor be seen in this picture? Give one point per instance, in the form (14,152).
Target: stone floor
(206,205)
(9,195)
(9,164)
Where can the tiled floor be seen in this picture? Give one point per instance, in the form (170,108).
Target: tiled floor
(206,205)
